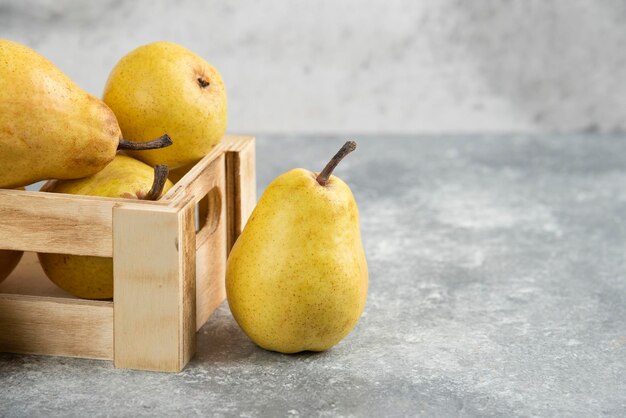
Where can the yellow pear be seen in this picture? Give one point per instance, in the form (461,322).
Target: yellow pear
(49,127)
(296,278)
(163,87)
(8,261)
(92,277)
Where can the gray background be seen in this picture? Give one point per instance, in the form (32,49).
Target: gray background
(353,66)
(496,260)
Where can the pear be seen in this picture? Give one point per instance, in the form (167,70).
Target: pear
(163,87)
(92,277)
(49,127)
(297,276)
(8,261)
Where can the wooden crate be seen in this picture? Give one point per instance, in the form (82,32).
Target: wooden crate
(169,264)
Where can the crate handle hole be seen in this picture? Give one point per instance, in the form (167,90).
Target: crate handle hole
(208,211)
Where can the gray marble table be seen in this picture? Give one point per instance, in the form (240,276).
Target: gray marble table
(497,288)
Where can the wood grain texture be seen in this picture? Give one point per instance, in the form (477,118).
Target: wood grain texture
(208,176)
(240,184)
(188,292)
(190,185)
(236,143)
(150,270)
(56,326)
(55,223)
(211,245)
(211,289)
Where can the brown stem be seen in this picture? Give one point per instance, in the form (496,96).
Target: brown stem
(160,142)
(160,177)
(324,175)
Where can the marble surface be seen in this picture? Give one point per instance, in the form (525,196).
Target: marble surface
(401,66)
(497,288)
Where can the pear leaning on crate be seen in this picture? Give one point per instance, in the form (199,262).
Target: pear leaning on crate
(164,87)
(91,277)
(50,127)
(296,278)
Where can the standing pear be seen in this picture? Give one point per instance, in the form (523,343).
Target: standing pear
(297,276)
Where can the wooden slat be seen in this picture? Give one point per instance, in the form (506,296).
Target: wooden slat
(150,251)
(240,184)
(185,187)
(211,287)
(236,143)
(211,249)
(184,176)
(56,223)
(188,291)
(56,326)
(203,178)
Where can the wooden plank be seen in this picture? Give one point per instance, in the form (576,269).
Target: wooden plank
(211,249)
(240,185)
(236,143)
(55,223)
(189,303)
(246,194)
(151,252)
(202,179)
(186,187)
(184,176)
(56,326)
(210,271)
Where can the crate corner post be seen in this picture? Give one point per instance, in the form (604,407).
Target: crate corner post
(241,184)
(154,287)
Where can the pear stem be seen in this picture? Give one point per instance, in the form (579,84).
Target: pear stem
(160,177)
(160,142)
(324,175)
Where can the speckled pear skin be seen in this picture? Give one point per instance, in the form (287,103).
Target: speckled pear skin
(49,127)
(83,276)
(8,261)
(164,87)
(297,276)
(87,276)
